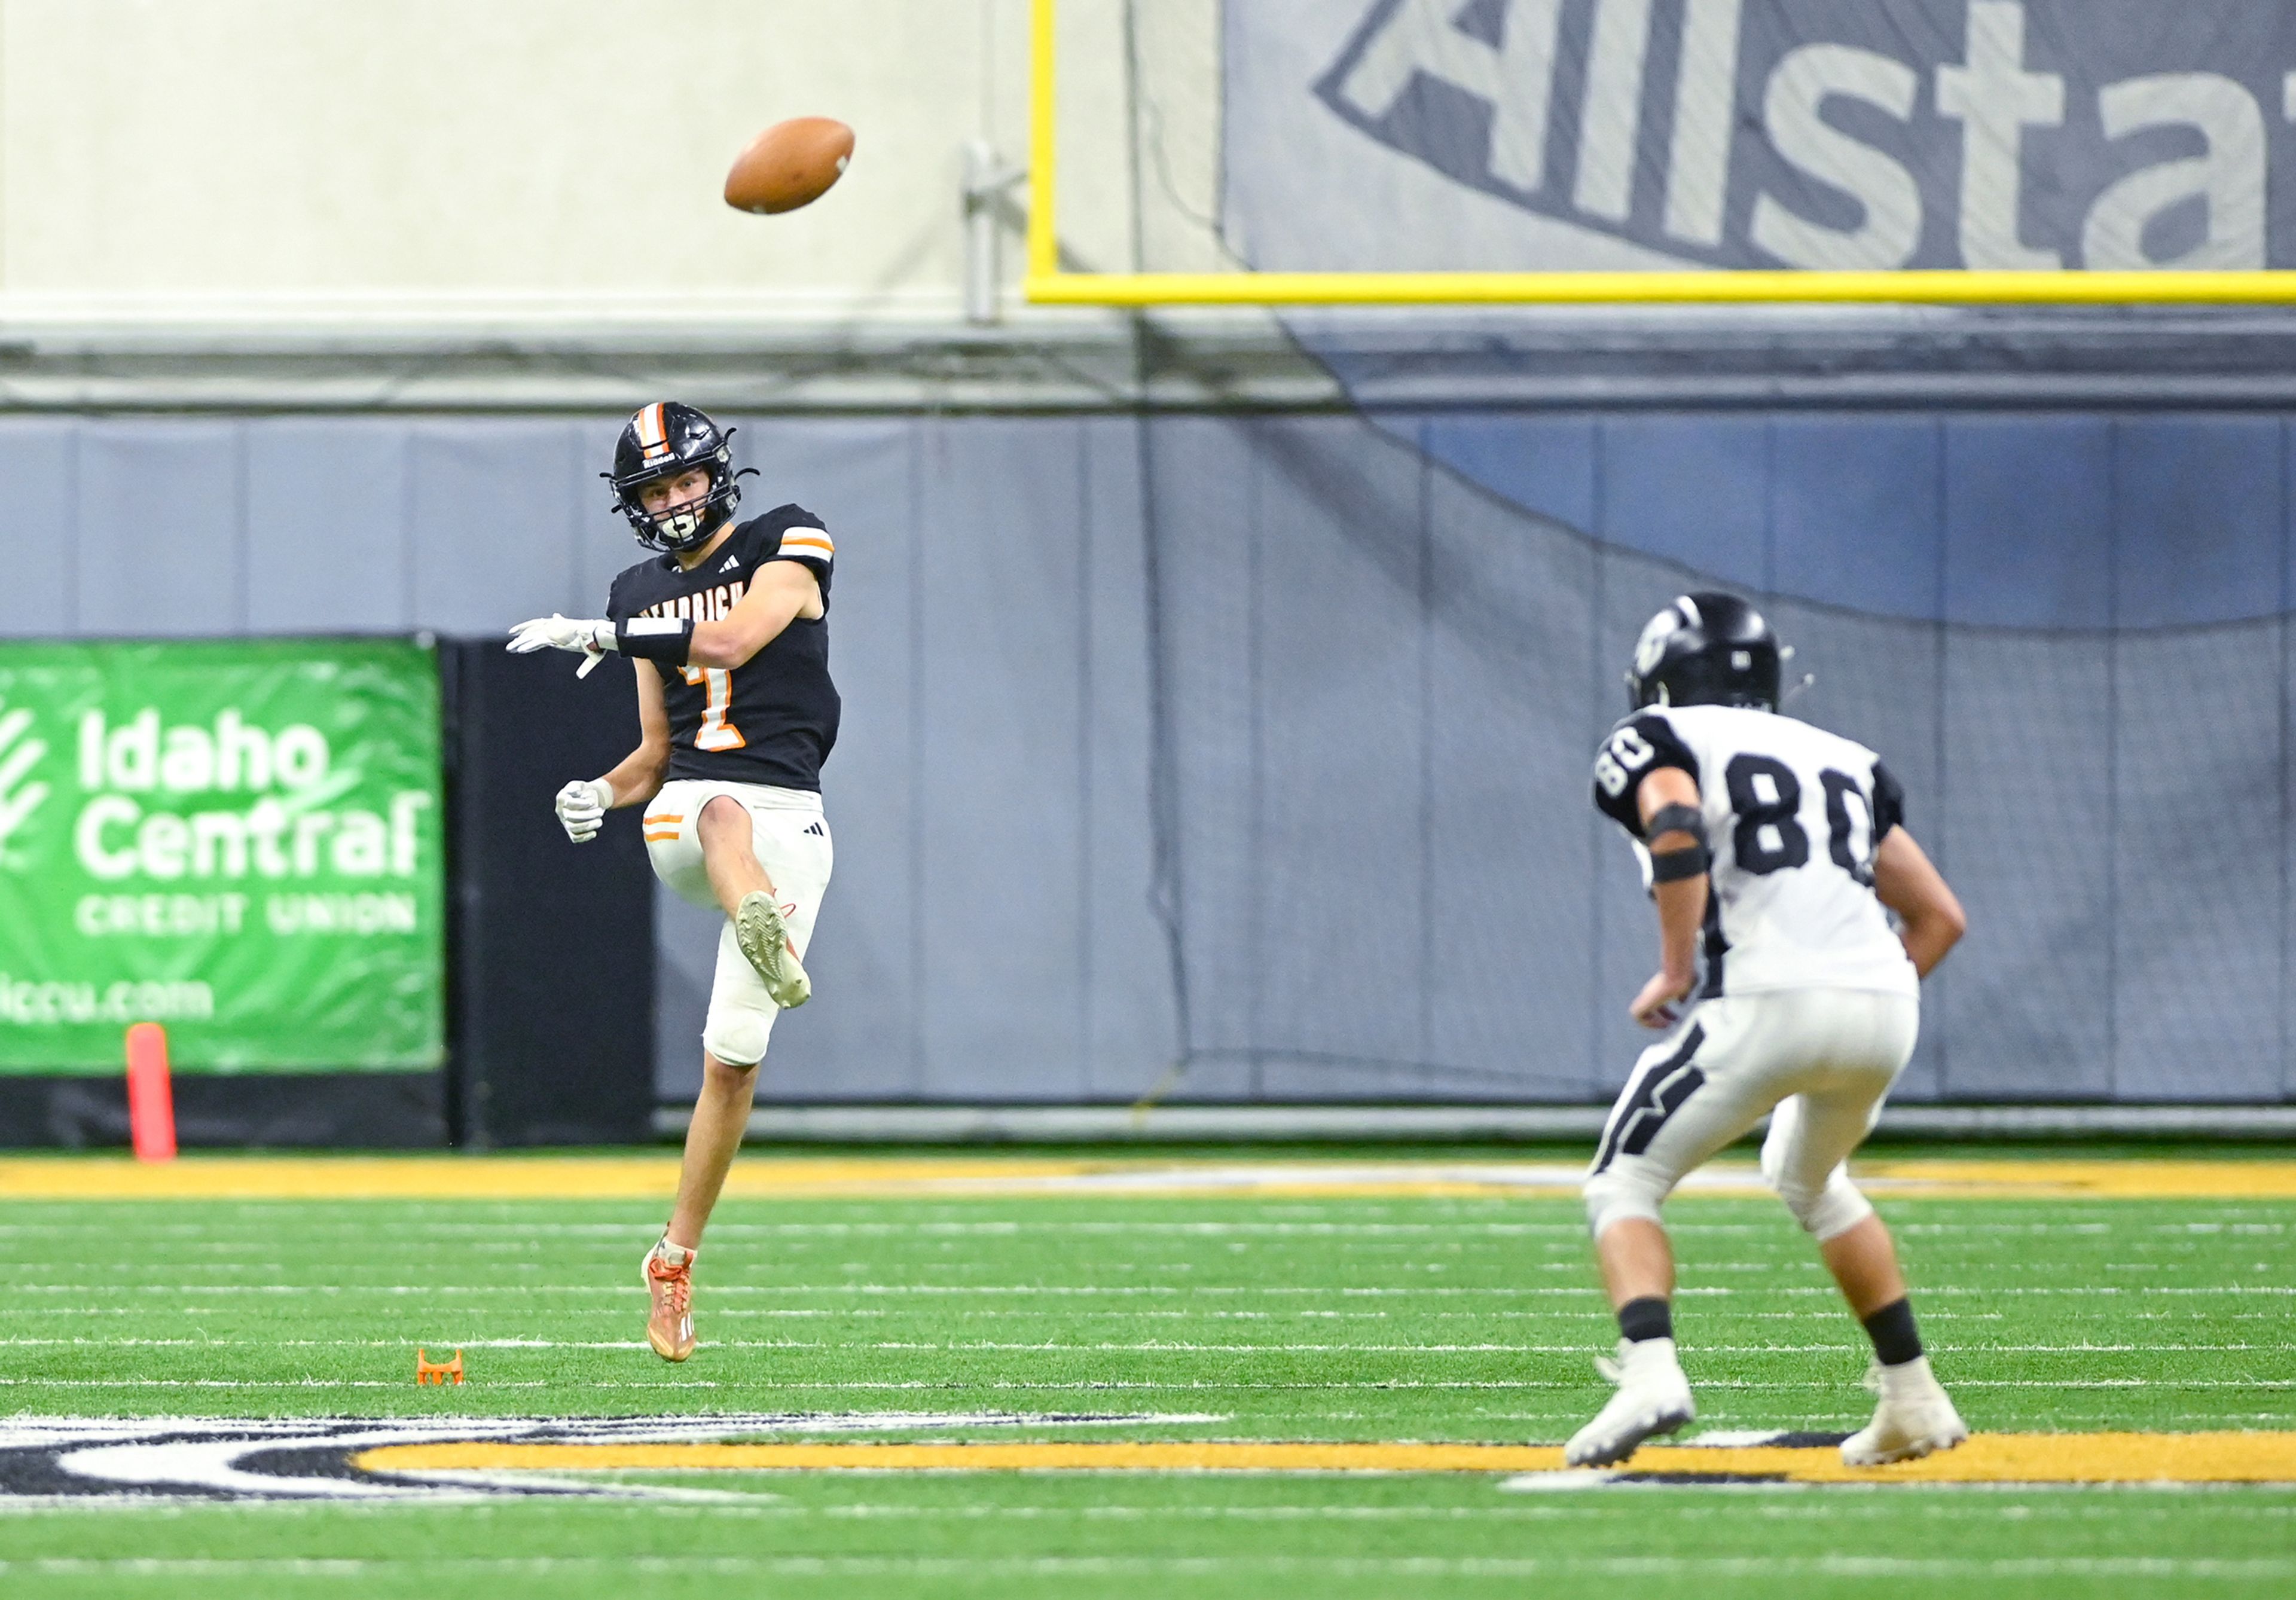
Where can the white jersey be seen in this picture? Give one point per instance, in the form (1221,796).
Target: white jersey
(1793,816)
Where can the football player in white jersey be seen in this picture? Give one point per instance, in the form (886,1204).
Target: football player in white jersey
(1772,848)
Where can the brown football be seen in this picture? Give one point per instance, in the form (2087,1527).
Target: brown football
(790,164)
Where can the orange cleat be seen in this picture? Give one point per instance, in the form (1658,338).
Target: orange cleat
(669,1325)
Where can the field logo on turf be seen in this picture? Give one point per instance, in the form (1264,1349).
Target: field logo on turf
(47,1460)
(76,1458)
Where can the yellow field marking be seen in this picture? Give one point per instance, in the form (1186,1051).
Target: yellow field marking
(477,1177)
(2116,1180)
(653,1177)
(1987,1458)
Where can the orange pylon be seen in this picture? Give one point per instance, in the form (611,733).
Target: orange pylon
(427,1371)
(150,1101)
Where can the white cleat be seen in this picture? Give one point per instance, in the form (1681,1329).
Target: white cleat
(764,937)
(1653,1398)
(1914,1419)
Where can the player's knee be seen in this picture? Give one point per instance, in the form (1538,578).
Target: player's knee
(723,1073)
(737,1037)
(1774,1152)
(1616,1194)
(723,816)
(1826,1210)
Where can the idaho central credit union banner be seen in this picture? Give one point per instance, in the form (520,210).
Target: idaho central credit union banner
(240,840)
(1578,135)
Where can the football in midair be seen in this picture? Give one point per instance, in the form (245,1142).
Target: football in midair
(790,164)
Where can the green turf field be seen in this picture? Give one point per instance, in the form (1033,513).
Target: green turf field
(1358,1318)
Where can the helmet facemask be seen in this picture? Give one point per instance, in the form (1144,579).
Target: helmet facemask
(690,523)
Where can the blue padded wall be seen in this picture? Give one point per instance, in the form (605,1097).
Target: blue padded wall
(1262,741)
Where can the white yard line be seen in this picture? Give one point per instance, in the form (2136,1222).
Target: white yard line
(1130,1346)
(1087,1291)
(785,1382)
(959,1567)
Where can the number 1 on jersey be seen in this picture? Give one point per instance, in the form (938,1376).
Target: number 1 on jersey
(717,698)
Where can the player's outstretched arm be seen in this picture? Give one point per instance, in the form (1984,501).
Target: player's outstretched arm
(1680,887)
(780,593)
(1931,914)
(590,637)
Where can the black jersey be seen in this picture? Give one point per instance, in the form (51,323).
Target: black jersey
(774,719)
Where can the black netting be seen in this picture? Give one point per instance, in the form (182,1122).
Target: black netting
(1378,688)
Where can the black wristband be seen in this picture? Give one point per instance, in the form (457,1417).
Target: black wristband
(1674,865)
(655,639)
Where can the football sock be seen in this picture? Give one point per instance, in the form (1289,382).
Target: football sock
(675,1254)
(1891,1329)
(1650,1318)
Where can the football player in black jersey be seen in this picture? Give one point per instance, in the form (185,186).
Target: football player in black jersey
(728,630)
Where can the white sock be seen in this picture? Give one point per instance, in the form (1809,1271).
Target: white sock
(1908,1377)
(676,1255)
(1648,1352)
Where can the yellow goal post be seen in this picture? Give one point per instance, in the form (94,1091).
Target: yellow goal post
(1045,283)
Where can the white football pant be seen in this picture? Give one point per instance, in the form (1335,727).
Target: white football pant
(791,837)
(1824,1058)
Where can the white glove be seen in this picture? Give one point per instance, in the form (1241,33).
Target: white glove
(582,807)
(592,636)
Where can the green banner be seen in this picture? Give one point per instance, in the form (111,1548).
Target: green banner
(238,838)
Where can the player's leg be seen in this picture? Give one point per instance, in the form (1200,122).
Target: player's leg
(749,895)
(793,845)
(1688,1098)
(720,1113)
(1864,1261)
(674,842)
(1805,1159)
(734,1039)
(729,852)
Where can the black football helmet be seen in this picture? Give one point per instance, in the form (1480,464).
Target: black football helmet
(1707,650)
(663,440)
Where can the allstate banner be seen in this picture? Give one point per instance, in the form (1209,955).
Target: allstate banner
(238,838)
(1575,134)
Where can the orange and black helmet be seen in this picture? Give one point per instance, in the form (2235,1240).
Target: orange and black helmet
(666,440)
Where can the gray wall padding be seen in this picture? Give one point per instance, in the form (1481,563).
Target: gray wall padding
(1382,687)
(1335,715)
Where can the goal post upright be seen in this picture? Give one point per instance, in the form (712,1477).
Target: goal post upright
(1045,283)
(1044,246)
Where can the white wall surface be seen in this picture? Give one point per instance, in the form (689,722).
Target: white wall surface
(169,158)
